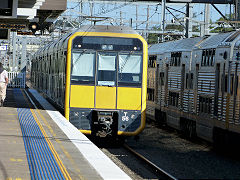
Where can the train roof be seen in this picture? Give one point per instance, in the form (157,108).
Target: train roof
(173,46)
(105,28)
(214,40)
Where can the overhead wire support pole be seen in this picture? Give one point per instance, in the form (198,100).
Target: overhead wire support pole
(206,19)
(187,21)
(147,20)
(163,17)
(136,16)
(224,17)
(14,37)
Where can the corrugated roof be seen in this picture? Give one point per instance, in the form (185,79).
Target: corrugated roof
(171,46)
(214,40)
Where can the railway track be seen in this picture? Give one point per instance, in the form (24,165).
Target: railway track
(159,171)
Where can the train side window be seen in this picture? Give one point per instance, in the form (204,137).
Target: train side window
(150,94)
(231,83)
(176,58)
(152,61)
(161,79)
(213,57)
(226,83)
(205,105)
(208,57)
(189,80)
(236,86)
(173,98)
(203,56)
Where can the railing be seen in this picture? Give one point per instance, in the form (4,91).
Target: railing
(16,79)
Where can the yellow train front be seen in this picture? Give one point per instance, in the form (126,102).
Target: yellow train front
(106,79)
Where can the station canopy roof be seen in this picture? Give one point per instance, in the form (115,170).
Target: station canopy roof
(27,11)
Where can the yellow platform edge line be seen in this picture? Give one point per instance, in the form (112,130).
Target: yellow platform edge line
(55,154)
(61,146)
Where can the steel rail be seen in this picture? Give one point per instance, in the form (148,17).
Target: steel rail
(157,169)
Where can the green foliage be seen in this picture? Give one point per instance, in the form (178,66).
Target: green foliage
(222,29)
(174,27)
(152,38)
(196,29)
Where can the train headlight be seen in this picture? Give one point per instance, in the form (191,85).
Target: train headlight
(79,45)
(110,47)
(104,47)
(107,47)
(135,48)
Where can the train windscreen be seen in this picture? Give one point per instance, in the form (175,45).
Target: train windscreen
(129,69)
(83,67)
(107,61)
(106,68)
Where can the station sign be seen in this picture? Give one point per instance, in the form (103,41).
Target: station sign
(3,48)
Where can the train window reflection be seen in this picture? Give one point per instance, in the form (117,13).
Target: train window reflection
(129,68)
(106,69)
(83,66)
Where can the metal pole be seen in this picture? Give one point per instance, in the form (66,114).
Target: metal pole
(136,16)
(14,34)
(147,20)
(187,21)
(24,53)
(206,19)
(163,17)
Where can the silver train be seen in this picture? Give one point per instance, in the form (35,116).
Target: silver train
(193,86)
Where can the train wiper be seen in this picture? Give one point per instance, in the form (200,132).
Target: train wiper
(78,58)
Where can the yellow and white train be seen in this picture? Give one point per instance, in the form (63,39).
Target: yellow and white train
(97,75)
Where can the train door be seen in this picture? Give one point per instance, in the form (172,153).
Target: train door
(182,86)
(216,94)
(104,119)
(235,88)
(166,85)
(105,93)
(196,88)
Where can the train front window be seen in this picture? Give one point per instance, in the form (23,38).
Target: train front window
(83,67)
(129,69)
(106,68)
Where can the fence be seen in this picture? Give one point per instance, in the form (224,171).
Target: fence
(16,79)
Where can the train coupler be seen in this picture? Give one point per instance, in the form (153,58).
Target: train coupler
(104,124)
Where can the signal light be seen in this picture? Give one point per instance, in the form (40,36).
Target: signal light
(33,27)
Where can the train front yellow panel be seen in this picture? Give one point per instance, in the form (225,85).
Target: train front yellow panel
(105,97)
(82,96)
(129,98)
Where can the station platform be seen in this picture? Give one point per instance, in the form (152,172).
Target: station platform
(41,144)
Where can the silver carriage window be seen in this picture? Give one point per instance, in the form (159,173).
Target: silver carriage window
(130,70)
(106,68)
(83,67)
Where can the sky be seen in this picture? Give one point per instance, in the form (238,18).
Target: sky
(127,11)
